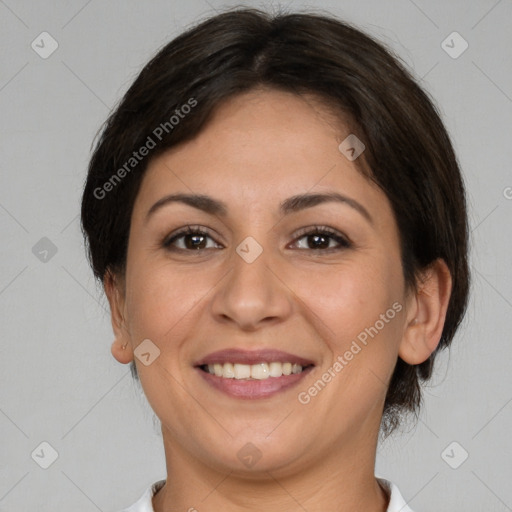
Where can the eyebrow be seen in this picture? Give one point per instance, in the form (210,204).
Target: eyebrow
(290,205)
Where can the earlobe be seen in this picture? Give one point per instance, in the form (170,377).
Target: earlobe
(122,353)
(426,314)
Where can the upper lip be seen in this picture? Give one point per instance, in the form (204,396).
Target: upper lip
(233,355)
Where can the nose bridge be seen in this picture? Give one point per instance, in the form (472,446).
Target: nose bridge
(251,291)
(250,265)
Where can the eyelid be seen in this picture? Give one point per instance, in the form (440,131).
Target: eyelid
(321,228)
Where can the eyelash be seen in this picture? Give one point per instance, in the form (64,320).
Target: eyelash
(315,230)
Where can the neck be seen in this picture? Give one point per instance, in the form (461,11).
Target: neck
(340,480)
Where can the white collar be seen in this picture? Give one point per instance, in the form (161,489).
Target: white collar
(396,501)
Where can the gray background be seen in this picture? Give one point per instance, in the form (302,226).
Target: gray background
(59,382)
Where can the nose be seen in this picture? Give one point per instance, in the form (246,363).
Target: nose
(252,294)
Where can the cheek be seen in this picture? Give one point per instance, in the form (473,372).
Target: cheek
(161,297)
(348,298)
(359,310)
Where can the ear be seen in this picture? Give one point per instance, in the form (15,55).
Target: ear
(426,314)
(114,287)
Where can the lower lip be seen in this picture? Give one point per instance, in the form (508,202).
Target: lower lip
(253,389)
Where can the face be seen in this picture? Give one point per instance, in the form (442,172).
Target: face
(253,279)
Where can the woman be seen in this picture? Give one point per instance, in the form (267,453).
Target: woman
(279,222)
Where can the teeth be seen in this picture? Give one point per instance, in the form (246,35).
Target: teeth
(260,371)
(296,368)
(276,369)
(228,371)
(242,371)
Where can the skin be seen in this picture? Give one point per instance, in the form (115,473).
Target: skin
(258,149)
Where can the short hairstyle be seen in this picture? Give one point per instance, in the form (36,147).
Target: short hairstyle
(408,151)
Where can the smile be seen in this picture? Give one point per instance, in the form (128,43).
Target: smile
(260,371)
(252,374)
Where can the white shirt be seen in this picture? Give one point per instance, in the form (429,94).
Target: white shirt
(144,504)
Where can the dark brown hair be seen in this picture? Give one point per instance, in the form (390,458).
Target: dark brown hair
(408,151)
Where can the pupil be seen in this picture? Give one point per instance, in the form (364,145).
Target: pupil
(195,242)
(318,238)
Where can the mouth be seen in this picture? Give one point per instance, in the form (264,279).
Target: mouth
(253,374)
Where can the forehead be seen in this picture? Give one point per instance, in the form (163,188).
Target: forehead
(261,147)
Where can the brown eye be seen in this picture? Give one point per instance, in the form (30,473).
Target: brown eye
(190,239)
(322,238)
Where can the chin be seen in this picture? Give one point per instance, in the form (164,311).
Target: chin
(254,456)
